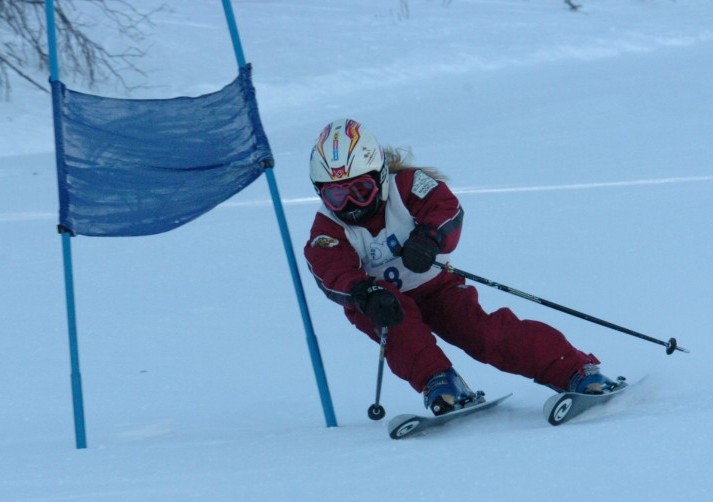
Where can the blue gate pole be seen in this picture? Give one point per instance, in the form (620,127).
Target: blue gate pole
(312,343)
(76,377)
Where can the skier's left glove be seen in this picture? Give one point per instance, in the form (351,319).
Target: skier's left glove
(421,248)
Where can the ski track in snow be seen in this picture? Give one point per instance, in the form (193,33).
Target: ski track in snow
(505,190)
(41,215)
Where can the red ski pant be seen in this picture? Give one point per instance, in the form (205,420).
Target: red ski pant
(445,306)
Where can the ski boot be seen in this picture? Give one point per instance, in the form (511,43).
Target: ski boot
(588,380)
(446,391)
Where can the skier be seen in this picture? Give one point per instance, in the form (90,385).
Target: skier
(372,247)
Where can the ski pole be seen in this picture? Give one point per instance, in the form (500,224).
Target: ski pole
(671,345)
(376,411)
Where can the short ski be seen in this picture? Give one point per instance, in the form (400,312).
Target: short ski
(402,426)
(564,406)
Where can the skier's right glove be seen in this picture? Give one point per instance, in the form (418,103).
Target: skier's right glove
(377,303)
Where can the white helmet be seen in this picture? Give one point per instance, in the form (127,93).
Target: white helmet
(345,149)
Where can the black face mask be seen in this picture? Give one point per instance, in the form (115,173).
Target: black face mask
(355,215)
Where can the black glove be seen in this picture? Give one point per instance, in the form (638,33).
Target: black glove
(421,248)
(378,304)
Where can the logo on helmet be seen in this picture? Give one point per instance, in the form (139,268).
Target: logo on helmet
(352,132)
(319,147)
(339,172)
(335,146)
(369,155)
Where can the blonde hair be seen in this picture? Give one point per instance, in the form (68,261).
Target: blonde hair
(398,159)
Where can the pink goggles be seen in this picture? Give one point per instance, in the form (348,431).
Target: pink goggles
(361,191)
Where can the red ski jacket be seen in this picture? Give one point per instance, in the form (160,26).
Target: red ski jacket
(335,263)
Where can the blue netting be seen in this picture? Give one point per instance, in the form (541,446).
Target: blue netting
(139,167)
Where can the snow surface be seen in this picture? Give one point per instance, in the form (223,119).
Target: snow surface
(581,146)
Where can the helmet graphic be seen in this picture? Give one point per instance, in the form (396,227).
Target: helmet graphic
(345,150)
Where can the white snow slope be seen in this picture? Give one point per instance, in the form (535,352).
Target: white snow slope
(581,146)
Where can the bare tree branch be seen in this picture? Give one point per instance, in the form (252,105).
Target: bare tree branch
(23,47)
(4,62)
(572,5)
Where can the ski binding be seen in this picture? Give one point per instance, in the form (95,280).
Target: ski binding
(406,425)
(564,406)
